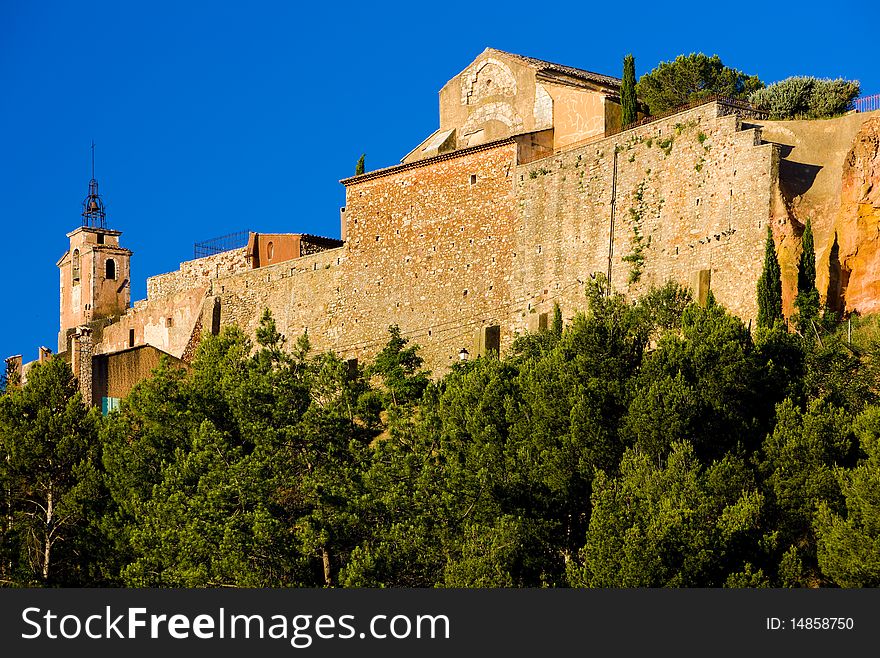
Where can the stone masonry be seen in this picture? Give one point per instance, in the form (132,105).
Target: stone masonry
(467,245)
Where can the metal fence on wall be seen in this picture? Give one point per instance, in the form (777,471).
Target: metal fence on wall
(221,244)
(867,103)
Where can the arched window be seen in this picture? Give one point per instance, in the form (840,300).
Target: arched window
(75,267)
(270,250)
(110,269)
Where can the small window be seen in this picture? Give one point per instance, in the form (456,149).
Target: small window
(100,238)
(131,337)
(169,323)
(75,267)
(473,179)
(110,269)
(270,251)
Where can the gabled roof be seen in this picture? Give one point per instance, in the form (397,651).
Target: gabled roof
(543,66)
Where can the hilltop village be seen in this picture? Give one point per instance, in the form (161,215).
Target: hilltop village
(529,187)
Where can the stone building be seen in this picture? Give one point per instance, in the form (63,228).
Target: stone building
(527,189)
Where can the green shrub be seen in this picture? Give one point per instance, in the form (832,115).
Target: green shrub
(802,97)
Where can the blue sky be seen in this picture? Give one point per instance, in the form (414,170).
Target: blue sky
(214,117)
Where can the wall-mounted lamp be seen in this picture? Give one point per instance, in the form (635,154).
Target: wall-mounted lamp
(463,354)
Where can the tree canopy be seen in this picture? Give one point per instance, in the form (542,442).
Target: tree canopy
(691,78)
(654,443)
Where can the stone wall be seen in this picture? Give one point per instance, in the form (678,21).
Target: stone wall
(304,294)
(470,249)
(196,273)
(693,194)
(430,248)
(164,322)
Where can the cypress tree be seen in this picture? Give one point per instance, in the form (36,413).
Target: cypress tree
(770,286)
(807,300)
(556,327)
(359,167)
(628,100)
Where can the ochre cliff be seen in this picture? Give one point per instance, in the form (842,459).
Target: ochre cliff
(858,223)
(829,173)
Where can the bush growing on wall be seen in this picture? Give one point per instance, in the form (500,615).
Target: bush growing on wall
(802,97)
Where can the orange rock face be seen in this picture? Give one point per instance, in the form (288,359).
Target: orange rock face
(858,224)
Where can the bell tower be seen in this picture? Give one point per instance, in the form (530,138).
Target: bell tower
(95,270)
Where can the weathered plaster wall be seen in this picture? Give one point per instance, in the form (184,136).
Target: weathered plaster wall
(499,95)
(94,296)
(577,115)
(114,375)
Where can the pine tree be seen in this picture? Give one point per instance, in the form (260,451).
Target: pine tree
(359,167)
(628,92)
(807,300)
(770,286)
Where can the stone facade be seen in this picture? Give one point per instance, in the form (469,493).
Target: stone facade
(470,243)
(501,95)
(197,273)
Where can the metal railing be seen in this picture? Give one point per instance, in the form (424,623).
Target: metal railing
(867,103)
(221,244)
(724,100)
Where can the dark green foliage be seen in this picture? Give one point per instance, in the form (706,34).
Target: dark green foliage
(359,167)
(628,102)
(675,524)
(399,367)
(770,286)
(649,443)
(798,467)
(706,378)
(807,300)
(849,536)
(803,97)
(556,327)
(52,495)
(691,78)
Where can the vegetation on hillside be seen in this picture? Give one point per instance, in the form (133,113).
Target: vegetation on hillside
(656,443)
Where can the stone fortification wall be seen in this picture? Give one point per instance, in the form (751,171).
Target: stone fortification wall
(304,294)
(430,248)
(694,193)
(470,249)
(453,247)
(197,273)
(165,322)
